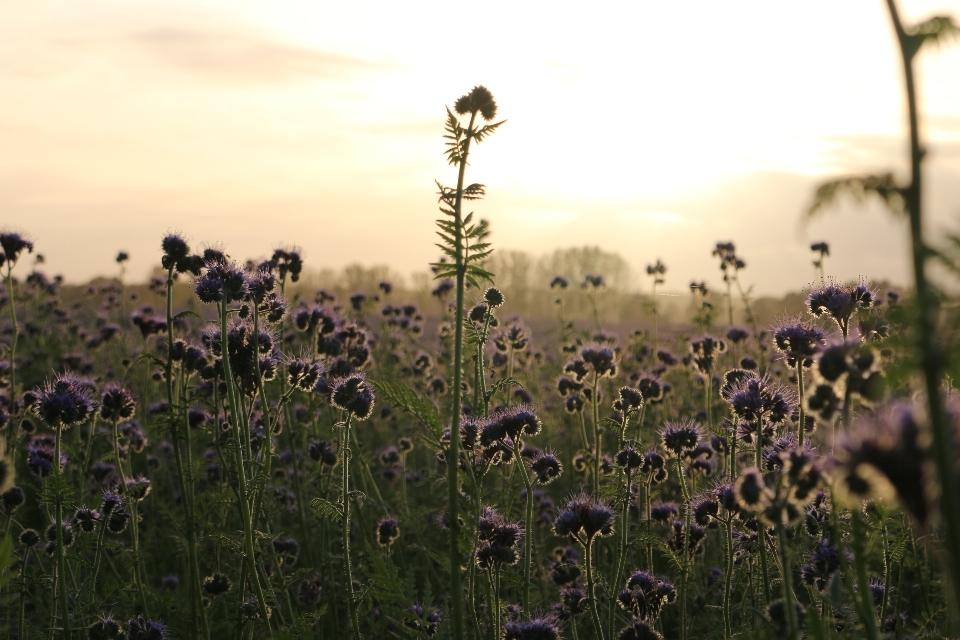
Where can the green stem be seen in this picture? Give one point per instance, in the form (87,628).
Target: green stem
(345,488)
(931,356)
(453,457)
(802,422)
(788,597)
(592,589)
(684,550)
(866,610)
(61,560)
(242,497)
(728,580)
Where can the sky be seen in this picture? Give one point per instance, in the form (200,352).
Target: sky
(650,129)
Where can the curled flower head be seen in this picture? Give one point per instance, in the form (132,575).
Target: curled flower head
(629,458)
(354,395)
(13,244)
(116,403)
(664,512)
(478,100)
(546,467)
(704,352)
(143,629)
(823,563)
(543,628)
(421,620)
(756,399)
(493,297)
(216,584)
(639,630)
(798,341)
(752,493)
(387,532)
(840,302)
(584,519)
(645,594)
(601,359)
(65,402)
(679,438)
(885,456)
(654,467)
(629,400)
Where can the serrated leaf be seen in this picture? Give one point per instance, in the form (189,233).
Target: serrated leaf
(327,509)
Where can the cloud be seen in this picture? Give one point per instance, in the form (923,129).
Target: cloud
(240,57)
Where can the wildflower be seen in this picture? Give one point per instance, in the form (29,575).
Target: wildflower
(777,615)
(544,628)
(13,497)
(222,282)
(309,590)
(65,402)
(679,542)
(639,630)
(885,456)
(13,244)
(704,353)
(752,493)
(840,302)
(645,594)
(651,389)
(559,281)
(85,519)
(654,467)
(546,467)
(138,488)
(354,395)
(387,532)
(478,100)
(573,404)
(106,629)
(493,297)
(498,540)
(679,438)
(421,620)
(736,335)
(29,538)
(303,374)
(511,423)
(756,399)
(116,403)
(629,459)
(66,533)
(628,401)
(40,454)
(216,584)
(143,629)
(664,512)
(798,341)
(584,519)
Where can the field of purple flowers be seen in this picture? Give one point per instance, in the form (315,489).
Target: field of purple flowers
(227,453)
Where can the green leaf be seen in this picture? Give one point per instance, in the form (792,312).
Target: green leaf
(931,31)
(858,187)
(327,509)
(186,314)
(407,400)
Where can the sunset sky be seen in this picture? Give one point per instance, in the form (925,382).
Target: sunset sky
(652,129)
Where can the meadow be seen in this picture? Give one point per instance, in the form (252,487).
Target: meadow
(230,451)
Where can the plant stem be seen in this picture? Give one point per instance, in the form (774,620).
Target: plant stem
(866,610)
(345,488)
(788,597)
(236,415)
(61,560)
(931,356)
(592,589)
(802,422)
(453,457)
(685,550)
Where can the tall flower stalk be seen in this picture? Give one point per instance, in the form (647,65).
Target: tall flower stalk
(463,243)
(908,199)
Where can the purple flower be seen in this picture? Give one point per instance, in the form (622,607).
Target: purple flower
(65,402)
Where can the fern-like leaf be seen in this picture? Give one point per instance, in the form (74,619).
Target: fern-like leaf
(933,31)
(883,186)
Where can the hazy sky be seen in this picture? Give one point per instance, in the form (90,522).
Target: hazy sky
(653,129)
